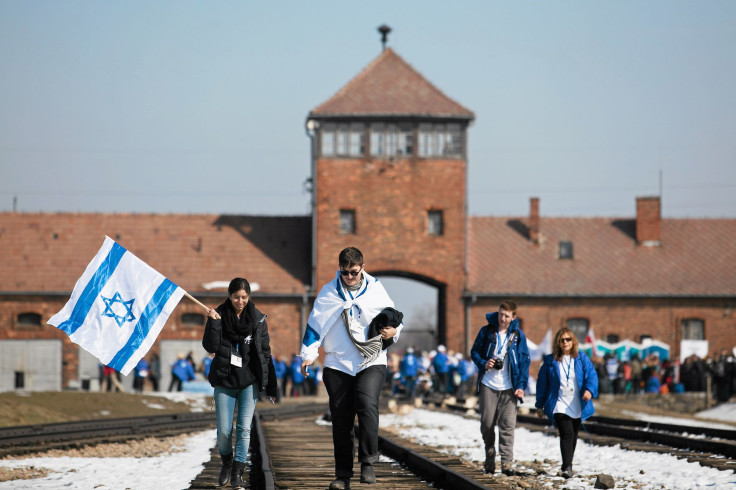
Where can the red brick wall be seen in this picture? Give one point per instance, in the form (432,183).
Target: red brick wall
(391,201)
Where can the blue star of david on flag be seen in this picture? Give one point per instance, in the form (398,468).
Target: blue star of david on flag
(128,315)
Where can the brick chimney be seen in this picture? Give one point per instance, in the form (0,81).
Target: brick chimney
(534,220)
(648,217)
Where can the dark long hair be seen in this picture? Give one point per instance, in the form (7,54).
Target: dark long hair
(238,284)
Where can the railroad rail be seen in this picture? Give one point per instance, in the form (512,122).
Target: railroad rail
(290,450)
(42,437)
(707,445)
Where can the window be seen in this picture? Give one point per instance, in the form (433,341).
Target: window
(440,140)
(435,223)
(612,338)
(693,329)
(579,327)
(347,221)
(192,320)
(389,140)
(342,140)
(565,250)
(29,320)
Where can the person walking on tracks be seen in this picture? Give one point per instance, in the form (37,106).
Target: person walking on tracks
(566,386)
(237,333)
(353,319)
(501,354)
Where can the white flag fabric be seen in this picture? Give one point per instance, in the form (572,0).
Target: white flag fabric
(118,307)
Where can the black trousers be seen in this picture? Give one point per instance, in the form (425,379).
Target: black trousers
(351,396)
(568,428)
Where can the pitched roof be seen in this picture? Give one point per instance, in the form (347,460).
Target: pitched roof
(697,258)
(389,86)
(48,252)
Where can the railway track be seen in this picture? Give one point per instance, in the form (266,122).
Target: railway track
(290,450)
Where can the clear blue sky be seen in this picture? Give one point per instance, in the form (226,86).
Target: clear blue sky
(199,107)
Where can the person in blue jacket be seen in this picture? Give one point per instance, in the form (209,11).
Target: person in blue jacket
(501,354)
(181,370)
(566,385)
(441,367)
(409,370)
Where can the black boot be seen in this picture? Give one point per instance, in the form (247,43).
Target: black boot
(340,483)
(237,476)
(227,467)
(367,475)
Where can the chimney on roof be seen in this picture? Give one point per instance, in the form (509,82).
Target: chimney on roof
(534,220)
(648,217)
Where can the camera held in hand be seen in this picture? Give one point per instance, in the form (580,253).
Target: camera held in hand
(497,363)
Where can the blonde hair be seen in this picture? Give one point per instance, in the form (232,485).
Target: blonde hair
(557,348)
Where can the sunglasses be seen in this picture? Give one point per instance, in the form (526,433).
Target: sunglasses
(566,339)
(346,273)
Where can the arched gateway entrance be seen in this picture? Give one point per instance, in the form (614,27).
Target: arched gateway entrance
(422,302)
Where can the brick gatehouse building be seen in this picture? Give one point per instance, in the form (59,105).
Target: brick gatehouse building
(388,175)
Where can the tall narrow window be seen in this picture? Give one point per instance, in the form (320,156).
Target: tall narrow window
(693,329)
(434,222)
(347,221)
(579,326)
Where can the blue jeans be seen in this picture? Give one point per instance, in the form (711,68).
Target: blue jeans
(225,400)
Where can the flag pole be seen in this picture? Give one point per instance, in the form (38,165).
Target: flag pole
(207,308)
(197,301)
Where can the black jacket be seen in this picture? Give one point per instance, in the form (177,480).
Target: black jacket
(215,342)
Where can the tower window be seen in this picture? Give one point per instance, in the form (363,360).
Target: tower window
(342,140)
(388,140)
(440,140)
(435,223)
(347,221)
(565,251)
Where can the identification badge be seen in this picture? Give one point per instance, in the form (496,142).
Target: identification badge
(236,360)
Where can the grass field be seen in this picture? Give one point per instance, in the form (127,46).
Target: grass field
(27,408)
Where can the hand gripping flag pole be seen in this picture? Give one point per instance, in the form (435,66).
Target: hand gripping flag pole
(118,307)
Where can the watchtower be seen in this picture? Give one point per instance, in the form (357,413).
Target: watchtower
(389,172)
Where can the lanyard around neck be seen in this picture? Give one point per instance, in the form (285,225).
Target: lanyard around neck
(498,340)
(566,371)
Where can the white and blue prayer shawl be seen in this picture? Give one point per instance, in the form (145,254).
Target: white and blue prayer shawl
(327,314)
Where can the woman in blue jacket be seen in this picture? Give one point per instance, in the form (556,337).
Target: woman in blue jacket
(566,386)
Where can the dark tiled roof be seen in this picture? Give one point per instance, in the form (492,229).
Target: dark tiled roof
(48,252)
(697,257)
(389,86)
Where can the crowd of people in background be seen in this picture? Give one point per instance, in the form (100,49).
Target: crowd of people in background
(416,373)
(652,375)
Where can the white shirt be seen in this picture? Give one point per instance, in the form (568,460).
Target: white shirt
(568,398)
(499,379)
(340,352)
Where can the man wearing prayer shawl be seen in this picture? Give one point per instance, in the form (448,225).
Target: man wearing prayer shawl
(353,319)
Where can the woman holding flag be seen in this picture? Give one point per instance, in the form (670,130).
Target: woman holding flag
(237,333)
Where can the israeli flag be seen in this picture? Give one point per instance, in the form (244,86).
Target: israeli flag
(118,307)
